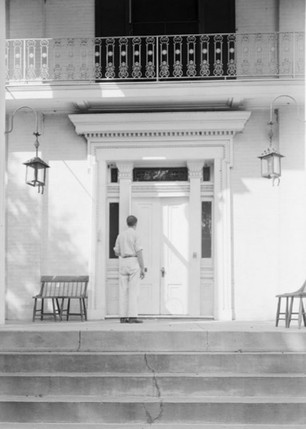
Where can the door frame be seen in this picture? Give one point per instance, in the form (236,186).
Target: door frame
(129,138)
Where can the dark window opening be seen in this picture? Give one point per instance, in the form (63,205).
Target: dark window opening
(136,58)
(206,229)
(113,227)
(114,175)
(160,17)
(160,174)
(206,174)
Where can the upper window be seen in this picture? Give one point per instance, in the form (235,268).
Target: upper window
(159,17)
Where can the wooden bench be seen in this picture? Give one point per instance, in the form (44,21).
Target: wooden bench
(61,290)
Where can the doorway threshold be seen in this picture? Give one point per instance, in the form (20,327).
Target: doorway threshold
(167,317)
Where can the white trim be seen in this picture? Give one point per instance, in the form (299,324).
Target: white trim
(184,137)
(3,161)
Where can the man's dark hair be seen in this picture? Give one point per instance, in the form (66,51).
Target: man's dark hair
(131,220)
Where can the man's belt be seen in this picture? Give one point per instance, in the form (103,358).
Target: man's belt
(129,256)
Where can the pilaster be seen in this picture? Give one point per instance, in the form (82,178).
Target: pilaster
(222,249)
(3,160)
(97,290)
(195,169)
(125,177)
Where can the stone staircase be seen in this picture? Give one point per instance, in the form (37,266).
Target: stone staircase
(141,378)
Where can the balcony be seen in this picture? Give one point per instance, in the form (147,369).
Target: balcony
(156,58)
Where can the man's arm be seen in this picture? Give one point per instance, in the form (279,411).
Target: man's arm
(117,247)
(141,263)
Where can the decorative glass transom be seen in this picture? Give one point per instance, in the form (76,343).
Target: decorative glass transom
(160,174)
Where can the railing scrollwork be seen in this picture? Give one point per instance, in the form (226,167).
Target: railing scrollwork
(194,56)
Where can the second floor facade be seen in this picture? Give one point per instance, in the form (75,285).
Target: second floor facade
(53,41)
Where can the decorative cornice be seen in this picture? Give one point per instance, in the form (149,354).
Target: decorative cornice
(153,125)
(157,134)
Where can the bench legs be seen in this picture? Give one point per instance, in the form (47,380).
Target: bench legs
(82,305)
(56,310)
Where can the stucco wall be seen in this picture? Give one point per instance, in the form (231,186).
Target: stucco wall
(50,18)
(75,18)
(269,233)
(47,233)
(50,233)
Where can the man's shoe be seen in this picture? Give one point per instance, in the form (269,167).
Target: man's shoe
(124,320)
(134,320)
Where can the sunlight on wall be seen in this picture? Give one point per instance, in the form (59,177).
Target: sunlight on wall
(69,221)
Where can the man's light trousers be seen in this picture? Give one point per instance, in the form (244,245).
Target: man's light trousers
(129,275)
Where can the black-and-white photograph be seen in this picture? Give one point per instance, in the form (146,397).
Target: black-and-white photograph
(152,214)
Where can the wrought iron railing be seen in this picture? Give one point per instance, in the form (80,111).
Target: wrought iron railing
(154,58)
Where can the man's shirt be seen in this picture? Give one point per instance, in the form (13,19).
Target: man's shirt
(128,243)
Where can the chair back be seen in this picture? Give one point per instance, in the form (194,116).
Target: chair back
(302,288)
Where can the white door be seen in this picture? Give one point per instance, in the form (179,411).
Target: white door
(164,230)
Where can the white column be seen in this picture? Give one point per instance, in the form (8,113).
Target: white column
(97,269)
(125,170)
(222,249)
(2,164)
(195,169)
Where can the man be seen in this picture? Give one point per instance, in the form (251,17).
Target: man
(131,269)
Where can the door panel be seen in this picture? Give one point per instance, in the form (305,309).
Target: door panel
(146,212)
(163,227)
(175,231)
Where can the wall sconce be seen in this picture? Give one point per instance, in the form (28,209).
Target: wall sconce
(36,168)
(271,158)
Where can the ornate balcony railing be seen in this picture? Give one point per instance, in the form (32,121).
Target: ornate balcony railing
(156,58)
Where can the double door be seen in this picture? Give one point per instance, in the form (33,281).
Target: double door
(164,230)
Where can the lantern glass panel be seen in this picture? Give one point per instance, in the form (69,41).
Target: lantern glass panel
(276,165)
(266,166)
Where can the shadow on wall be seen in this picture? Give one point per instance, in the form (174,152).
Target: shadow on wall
(27,245)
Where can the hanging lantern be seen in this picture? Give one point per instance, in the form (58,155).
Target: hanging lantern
(270,163)
(36,169)
(271,160)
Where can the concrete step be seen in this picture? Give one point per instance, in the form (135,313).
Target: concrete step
(153,385)
(142,426)
(142,339)
(134,362)
(144,410)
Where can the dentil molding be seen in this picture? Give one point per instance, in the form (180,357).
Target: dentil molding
(156,125)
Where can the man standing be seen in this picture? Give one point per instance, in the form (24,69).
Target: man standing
(131,269)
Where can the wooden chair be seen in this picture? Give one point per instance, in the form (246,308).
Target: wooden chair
(289,312)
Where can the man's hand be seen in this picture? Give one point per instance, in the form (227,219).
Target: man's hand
(142,274)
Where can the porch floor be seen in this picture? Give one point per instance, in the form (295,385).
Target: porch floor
(152,325)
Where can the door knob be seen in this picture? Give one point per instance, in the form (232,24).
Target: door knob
(163,271)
